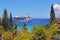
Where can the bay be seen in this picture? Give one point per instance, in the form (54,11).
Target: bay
(32,23)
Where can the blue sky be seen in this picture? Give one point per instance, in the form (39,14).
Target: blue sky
(35,8)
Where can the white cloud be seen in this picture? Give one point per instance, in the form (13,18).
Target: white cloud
(57,7)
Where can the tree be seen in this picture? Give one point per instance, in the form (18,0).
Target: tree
(10,17)
(52,14)
(23,36)
(10,22)
(15,28)
(25,27)
(38,33)
(5,19)
(0,21)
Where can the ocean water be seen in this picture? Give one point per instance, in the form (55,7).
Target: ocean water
(31,23)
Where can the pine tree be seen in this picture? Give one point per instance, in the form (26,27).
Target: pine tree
(10,22)
(5,19)
(10,17)
(25,27)
(52,14)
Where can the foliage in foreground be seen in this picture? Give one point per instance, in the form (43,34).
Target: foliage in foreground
(37,33)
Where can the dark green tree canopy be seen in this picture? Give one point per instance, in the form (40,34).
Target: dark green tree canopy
(52,14)
(5,15)
(5,19)
(10,17)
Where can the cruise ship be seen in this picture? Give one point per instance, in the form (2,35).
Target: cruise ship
(22,18)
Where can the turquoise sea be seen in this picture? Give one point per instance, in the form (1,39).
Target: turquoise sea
(31,23)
